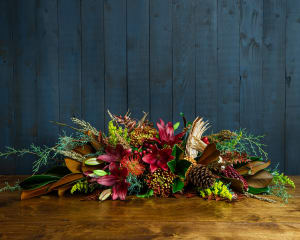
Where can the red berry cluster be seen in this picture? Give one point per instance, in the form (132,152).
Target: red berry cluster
(230,172)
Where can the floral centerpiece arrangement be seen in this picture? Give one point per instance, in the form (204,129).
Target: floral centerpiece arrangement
(135,158)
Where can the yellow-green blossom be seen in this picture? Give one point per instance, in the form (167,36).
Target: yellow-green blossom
(113,131)
(218,189)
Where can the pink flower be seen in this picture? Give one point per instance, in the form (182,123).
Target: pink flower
(158,158)
(117,179)
(114,154)
(166,134)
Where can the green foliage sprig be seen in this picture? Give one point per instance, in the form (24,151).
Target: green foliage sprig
(80,186)
(114,132)
(136,185)
(241,141)
(8,187)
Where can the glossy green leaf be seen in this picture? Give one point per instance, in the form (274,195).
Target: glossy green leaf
(258,190)
(146,195)
(172,165)
(177,185)
(37,181)
(178,166)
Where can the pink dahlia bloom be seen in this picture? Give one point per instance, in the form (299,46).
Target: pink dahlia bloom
(117,179)
(166,134)
(158,158)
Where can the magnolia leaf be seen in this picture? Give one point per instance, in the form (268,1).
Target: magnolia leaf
(105,194)
(92,162)
(100,173)
(258,190)
(66,179)
(73,165)
(35,192)
(146,195)
(178,165)
(84,150)
(176,125)
(58,171)
(210,154)
(235,184)
(253,167)
(61,190)
(181,167)
(261,179)
(37,181)
(177,185)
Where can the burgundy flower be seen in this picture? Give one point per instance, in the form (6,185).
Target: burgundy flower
(117,179)
(166,134)
(158,158)
(114,154)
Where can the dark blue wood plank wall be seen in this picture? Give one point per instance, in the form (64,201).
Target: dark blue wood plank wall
(234,62)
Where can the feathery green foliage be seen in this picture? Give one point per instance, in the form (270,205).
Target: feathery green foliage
(8,187)
(113,131)
(241,141)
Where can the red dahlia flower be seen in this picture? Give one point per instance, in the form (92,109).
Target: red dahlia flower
(114,154)
(166,134)
(158,158)
(117,179)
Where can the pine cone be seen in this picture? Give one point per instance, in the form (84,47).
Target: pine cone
(230,172)
(200,176)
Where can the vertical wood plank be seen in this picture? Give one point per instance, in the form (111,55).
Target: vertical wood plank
(183,59)
(47,72)
(138,56)
(161,59)
(69,21)
(25,84)
(206,61)
(274,78)
(251,66)
(93,62)
(6,81)
(115,57)
(228,64)
(292,124)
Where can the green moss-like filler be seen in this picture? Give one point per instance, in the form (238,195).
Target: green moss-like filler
(218,189)
(113,131)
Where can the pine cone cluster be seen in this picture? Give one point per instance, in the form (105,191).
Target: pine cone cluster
(230,172)
(200,176)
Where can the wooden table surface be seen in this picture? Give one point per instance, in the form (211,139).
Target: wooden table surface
(50,217)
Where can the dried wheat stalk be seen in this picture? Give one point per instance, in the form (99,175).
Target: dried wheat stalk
(85,126)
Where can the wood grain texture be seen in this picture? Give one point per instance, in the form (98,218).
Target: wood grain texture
(138,56)
(69,60)
(25,81)
(154,218)
(228,64)
(274,79)
(251,65)
(6,82)
(206,25)
(115,57)
(92,90)
(292,87)
(161,60)
(183,16)
(47,72)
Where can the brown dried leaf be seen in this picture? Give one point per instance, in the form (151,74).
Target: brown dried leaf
(73,165)
(66,179)
(61,190)
(96,144)
(210,154)
(253,167)
(261,179)
(235,184)
(84,150)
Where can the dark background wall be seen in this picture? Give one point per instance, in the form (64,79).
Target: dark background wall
(234,62)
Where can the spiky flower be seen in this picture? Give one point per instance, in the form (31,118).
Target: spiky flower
(141,134)
(133,164)
(160,182)
(230,172)
(200,176)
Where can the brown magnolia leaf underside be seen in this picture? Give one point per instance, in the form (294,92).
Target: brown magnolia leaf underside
(210,154)
(66,179)
(26,194)
(261,179)
(73,165)
(235,184)
(253,167)
(84,150)
(61,190)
